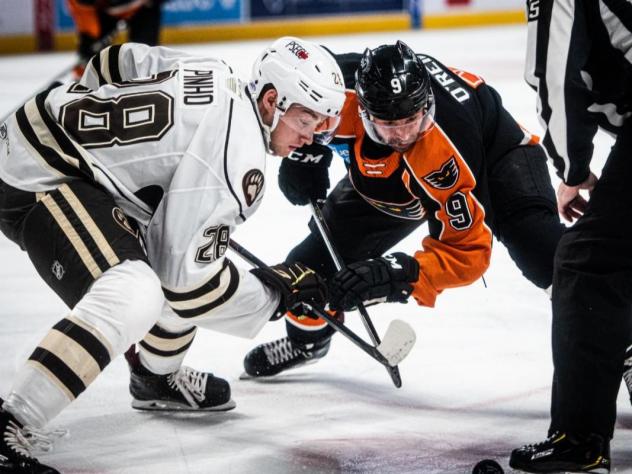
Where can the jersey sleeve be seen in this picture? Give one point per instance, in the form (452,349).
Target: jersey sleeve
(458,250)
(557,50)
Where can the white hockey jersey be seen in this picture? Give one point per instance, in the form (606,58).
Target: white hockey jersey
(177,141)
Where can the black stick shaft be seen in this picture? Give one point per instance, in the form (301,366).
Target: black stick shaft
(339,262)
(340,327)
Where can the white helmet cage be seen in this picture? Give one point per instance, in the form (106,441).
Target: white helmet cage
(302,73)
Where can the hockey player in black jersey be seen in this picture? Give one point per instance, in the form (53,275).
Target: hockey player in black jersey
(422,143)
(578,61)
(124,189)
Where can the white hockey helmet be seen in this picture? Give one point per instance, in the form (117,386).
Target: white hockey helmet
(302,73)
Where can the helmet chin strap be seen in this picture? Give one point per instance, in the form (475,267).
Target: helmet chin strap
(277,116)
(268,129)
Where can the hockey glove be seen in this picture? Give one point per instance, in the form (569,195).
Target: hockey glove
(379,280)
(297,283)
(304,175)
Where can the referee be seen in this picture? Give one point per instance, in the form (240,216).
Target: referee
(579,62)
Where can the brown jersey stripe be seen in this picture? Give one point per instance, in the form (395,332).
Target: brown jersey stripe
(48,154)
(113,63)
(210,285)
(95,63)
(61,137)
(192,309)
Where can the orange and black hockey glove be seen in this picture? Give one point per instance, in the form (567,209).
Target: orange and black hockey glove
(378,280)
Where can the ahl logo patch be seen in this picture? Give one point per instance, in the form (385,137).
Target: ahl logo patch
(297,50)
(252,185)
(3,131)
(445,177)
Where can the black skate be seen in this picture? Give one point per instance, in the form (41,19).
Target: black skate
(183,390)
(564,452)
(274,357)
(16,442)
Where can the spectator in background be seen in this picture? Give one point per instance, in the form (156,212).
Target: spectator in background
(97,22)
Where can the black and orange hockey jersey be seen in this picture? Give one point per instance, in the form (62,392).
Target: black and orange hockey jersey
(441,179)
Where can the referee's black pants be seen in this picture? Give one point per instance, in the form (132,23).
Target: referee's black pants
(592,302)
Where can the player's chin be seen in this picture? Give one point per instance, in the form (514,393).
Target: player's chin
(401,147)
(284,150)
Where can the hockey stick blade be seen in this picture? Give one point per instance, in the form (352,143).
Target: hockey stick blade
(397,342)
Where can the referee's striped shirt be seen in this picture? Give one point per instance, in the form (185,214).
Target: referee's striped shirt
(579,60)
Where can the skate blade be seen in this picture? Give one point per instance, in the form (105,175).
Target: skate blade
(159,405)
(246,376)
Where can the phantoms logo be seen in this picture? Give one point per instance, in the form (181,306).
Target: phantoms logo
(445,177)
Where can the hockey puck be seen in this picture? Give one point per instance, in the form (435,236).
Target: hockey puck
(487,466)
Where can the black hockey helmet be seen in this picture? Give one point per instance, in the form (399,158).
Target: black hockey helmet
(392,83)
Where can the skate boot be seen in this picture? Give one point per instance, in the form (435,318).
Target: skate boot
(183,390)
(564,452)
(274,357)
(16,443)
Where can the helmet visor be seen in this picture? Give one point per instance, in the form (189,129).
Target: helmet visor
(326,130)
(398,134)
(306,122)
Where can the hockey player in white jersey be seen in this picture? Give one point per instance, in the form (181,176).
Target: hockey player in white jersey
(124,188)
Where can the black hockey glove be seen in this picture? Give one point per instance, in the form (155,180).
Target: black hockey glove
(297,283)
(304,175)
(379,280)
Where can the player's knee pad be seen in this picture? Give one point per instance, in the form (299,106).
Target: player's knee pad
(123,304)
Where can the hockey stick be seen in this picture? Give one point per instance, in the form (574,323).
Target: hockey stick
(398,340)
(325,233)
